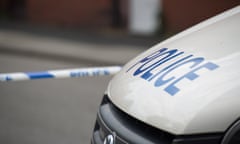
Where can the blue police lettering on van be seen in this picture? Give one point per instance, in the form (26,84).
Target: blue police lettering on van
(149,68)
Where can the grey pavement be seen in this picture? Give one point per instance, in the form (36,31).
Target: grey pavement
(21,42)
(51,111)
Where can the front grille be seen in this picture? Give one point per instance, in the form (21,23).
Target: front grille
(128,130)
(110,120)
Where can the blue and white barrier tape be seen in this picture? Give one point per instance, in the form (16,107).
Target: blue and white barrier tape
(67,73)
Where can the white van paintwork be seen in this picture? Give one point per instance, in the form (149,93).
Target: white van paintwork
(209,103)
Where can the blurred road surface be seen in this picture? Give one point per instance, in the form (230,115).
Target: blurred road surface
(59,111)
(54,111)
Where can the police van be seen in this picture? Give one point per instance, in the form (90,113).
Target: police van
(185,90)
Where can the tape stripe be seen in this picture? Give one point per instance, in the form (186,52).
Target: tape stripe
(39,75)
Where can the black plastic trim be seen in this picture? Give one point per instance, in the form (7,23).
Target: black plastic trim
(211,138)
(234,129)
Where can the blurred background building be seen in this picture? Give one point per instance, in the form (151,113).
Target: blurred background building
(140,17)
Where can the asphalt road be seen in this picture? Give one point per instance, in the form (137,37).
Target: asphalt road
(60,111)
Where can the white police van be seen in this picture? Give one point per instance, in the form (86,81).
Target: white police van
(185,90)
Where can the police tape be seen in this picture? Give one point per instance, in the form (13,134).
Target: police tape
(65,73)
